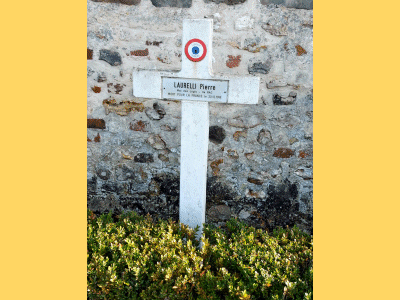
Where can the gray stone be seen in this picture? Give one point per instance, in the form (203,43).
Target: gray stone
(260,67)
(305,173)
(285,169)
(111,57)
(167,127)
(244,214)
(103,173)
(155,113)
(172,3)
(219,213)
(276,84)
(156,142)
(241,122)
(264,137)
(284,118)
(90,71)
(301,4)
(227,2)
(101,77)
(124,173)
(275,30)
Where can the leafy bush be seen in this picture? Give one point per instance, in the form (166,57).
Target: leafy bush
(134,257)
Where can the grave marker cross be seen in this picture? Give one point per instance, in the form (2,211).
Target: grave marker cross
(195,85)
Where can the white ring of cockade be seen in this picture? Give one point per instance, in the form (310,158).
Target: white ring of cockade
(195,50)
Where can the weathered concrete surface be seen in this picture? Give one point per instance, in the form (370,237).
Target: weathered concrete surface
(260,156)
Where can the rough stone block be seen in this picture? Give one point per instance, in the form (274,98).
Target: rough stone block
(144,158)
(279,100)
(301,4)
(111,57)
(227,2)
(156,142)
(283,153)
(139,126)
(172,3)
(216,134)
(219,213)
(260,67)
(89,53)
(96,123)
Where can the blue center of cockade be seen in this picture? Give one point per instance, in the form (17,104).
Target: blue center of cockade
(195,50)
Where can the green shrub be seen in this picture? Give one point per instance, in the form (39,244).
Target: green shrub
(134,257)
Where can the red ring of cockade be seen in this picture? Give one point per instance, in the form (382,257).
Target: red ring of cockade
(187,50)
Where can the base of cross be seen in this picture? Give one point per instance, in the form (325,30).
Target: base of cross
(195,86)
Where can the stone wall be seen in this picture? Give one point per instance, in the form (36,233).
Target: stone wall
(260,160)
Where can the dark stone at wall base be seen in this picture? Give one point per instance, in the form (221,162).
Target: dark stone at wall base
(92,185)
(104,174)
(111,57)
(172,3)
(169,184)
(279,209)
(216,134)
(217,192)
(104,204)
(143,158)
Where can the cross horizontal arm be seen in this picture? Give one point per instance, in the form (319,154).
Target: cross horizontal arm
(241,89)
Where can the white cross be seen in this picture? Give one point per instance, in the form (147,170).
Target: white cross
(195,85)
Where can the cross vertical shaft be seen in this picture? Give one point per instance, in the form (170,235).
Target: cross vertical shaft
(194,152)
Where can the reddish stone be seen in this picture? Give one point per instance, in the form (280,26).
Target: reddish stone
(89,53)
(139,126)
(233,61)
(140,52)
(118,88)
(300,50)
(214,166)
(255,181)
(305,153)
(96,89)
(239,134)
(97,138)
(96,123)
(283,153)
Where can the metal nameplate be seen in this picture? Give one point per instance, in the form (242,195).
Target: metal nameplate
(175,88)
